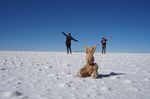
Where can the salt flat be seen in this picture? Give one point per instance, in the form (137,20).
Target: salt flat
(52,75)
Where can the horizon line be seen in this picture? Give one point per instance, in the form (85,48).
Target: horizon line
(65,51)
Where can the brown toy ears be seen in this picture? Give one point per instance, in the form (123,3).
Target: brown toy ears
(90,50)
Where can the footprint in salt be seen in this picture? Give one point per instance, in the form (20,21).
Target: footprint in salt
(9,94)
(3,69)
(40,70)
(135,89)
(50,66)
(17,93)
(105,88)
(4,63)
(13,63)
(21,64)
(87,96)
(66,64)
(68,84)
(75,88)
(69,75)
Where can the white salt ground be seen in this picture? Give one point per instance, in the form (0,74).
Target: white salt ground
(52,75)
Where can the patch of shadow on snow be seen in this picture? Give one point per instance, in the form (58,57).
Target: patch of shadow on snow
(109,75)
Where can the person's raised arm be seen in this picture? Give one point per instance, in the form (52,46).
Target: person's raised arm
(64,33)
(74,39)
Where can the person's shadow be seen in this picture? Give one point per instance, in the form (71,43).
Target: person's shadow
(108,75)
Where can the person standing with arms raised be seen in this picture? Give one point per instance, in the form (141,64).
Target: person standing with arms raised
(103,42)
(68,41)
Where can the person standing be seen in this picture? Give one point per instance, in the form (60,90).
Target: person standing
(68,41)
(103,42)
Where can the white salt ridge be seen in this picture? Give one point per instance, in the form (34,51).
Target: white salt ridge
(44,75)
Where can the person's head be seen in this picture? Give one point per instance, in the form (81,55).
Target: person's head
(103,38)
(69,34)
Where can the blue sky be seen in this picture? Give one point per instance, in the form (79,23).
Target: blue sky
(36,25)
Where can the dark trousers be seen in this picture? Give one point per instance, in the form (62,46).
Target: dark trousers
(104,50)
(69,48)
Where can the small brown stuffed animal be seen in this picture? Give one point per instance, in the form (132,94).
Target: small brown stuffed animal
(91,68)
